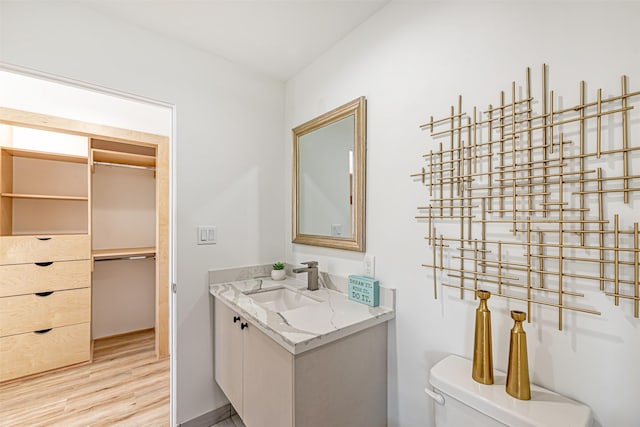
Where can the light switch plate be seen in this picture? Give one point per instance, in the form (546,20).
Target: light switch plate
(207,235)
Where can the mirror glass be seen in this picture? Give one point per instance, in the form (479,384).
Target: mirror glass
(329,172)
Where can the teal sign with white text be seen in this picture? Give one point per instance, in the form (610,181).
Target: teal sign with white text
(364,290)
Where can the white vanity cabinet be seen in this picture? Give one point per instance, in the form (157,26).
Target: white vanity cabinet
(342,383)
(229,354)
(253,371)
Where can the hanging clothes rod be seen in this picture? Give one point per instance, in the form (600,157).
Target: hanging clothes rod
(120,258)
(122,165)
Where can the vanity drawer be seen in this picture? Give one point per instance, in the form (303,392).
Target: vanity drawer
(31,353)
(30,249)
(21,279)
(28,313)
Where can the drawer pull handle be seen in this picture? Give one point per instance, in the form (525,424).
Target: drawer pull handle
(236,319)
(244,325)
(44,294)
(43,238)
(42,331)
(44,264)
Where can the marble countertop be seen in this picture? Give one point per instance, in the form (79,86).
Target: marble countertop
(304,328)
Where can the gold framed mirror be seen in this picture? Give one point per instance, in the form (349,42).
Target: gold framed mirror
(329,173)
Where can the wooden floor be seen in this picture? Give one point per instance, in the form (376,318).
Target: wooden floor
(124,386)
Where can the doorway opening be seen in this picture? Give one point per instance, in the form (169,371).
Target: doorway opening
(85,236)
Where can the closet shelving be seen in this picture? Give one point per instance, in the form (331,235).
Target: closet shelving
(20,183)
(122,253)
(117,158)
(33,154)
(45,301)
(44,197)
(115,154)
(54,225)
(123,198)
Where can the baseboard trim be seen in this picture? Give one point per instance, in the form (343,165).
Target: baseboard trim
(210,418)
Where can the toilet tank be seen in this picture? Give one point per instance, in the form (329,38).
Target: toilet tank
(460,401)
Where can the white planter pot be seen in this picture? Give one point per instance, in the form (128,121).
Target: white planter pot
(278,274)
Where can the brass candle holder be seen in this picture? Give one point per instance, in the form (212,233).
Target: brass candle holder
(518,384)
(482,352)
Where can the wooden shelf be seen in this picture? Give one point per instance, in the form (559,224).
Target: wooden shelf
(42,155)
(123,158)
(98,254)
(43,197)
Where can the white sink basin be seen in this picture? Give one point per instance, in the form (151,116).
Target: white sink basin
(281,299)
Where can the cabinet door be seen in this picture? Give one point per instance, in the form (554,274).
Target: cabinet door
(228,354)
(268,381)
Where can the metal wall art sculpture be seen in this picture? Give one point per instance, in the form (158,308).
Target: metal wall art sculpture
(524,184)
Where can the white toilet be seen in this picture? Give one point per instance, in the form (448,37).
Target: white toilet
(460,401)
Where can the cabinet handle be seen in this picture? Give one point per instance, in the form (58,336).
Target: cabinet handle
(236,318)
(44,264)
(42,331)
(43,238)
(244,325)
(44,294)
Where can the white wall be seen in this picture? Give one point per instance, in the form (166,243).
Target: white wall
(123,208)
(229,139)
(122,297)
(123,215)
(58,99)
(411,60)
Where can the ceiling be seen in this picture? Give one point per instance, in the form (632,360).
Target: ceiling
(275,37)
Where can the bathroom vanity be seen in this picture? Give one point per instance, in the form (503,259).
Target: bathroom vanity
(286,356)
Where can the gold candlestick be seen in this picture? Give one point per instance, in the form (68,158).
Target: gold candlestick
(518,384)
(482,352)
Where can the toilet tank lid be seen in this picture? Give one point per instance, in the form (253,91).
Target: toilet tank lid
(452,376)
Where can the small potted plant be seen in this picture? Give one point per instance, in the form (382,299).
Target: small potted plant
(278,272)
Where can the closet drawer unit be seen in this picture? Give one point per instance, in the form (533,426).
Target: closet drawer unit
(31,353)
(21,279)
(30,249)
(35,312)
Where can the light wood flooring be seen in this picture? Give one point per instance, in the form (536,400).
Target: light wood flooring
(124,386)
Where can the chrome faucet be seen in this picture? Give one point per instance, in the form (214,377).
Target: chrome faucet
(312,274)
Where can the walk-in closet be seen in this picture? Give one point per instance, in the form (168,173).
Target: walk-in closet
(83,240)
